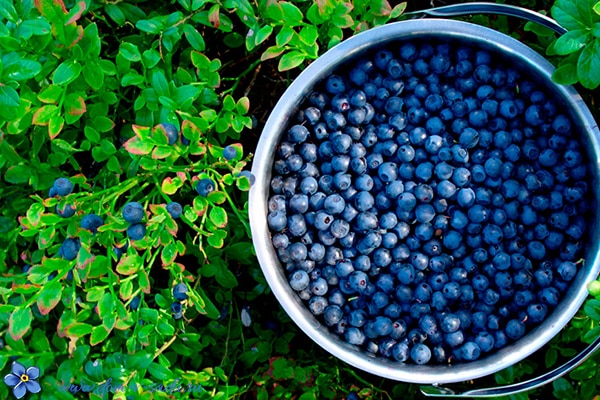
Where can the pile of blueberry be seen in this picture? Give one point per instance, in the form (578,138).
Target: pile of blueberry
(429,201)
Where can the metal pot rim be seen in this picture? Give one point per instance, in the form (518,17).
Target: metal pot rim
(263,160)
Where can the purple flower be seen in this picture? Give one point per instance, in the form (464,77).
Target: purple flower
(23,380)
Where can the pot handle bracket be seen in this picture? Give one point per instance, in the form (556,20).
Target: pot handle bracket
(440,391)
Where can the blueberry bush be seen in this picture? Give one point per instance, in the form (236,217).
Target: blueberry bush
(126,137)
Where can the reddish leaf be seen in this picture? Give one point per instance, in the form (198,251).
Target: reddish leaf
(49,297)
(138,147)
(214,17)
(76,12)
(76,105)
(19,323)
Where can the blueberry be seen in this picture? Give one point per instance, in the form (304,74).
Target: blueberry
(171,131)
(136,231)
(135,303)
(62,187)
(65,210)
(180,291)
(91,222)
(205,186)
(69,249)
(133,212)
(174,209)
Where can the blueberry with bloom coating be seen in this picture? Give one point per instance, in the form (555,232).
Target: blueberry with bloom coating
(69,249)
(91,222)
(171,131)
(180,291)
(229,152)
(205,186)
(174,209)
(136,231)
(66,210)
(62,187)
(133,212)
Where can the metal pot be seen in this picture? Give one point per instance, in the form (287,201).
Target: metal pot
(344,53)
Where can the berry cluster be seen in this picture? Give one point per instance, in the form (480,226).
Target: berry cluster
(180,294)
(428,203)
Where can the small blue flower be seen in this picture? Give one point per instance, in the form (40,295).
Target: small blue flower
(23,380)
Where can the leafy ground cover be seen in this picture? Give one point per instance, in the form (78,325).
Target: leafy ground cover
(89,91)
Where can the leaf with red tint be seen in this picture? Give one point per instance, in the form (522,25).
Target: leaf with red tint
(76,12)
(138,147)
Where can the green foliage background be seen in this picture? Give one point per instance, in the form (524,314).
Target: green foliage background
(84,87)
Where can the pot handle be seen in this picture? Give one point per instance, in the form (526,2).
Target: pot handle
(493,8)
(439,391)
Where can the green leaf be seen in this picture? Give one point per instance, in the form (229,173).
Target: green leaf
(565,74)
(132,78)
(165,329)
(574,14)
(217,238)
(8,11)
(150,58)
(160,84)
(23,70)
(193,37)
(104,151)
(149,26)
(19,323)
(129,264)
(218,216)
(160,372)
(226,278)
(592,309)
(570,42)
(66,72)
(589,65)
(263,34)
(115,13)
(79,329)
(291,60)
(284,36)
(130,51)
(17,174)
(99,333)
(8,96)
(93,75)
(291,13)
(49,297)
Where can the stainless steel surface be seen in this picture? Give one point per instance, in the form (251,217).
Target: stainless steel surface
(456,10)
(439,391)
(421,29)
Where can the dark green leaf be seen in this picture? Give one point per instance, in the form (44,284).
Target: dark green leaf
(115,13)
(589,65)
(17,174)
(592,309)
(233,40)
(93,75)
(193,37)
(149,26)
(150,58)
(160,83)
(565,74)
(8,11)
(226,278)
(130,51)
(571,41)
(159,372)
(132,78)
(165,329)
(574,14)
